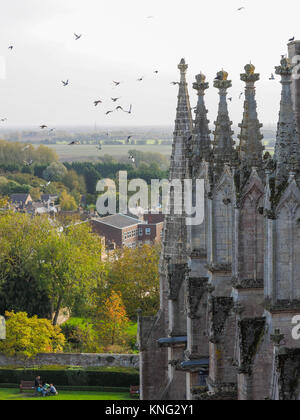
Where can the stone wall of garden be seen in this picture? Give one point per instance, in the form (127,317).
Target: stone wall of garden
(69,359)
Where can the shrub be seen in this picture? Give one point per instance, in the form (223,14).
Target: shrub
(113,378)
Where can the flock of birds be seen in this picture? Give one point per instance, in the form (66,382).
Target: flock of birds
(118,108)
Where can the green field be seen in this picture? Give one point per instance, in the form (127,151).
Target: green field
(91,153)
(15,395)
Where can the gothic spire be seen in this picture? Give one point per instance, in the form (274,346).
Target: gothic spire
(251,147)
(223,145)
(183,128)
(287,149)
(202,143)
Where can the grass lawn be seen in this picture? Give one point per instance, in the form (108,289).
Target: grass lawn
(15,395)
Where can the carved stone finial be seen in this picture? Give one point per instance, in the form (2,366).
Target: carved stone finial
(182,66)
(223,144)
(285,68)
(250,76)
(221,81)
(201,85)
(201,148)
(287,148)
(249,69)
(251,147)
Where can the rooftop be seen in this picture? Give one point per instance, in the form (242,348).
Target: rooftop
(118,221)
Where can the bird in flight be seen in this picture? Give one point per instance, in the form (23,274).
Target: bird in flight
(96,103)
(230,99)
(74,143)
(65,83)
(175,83)
(77,37)
(115,99)
(156,71)
(116,83)
(241,8)
(109,112)
(11,47)
(272,77)
(130,110)
(3,119)
(292,39)
(42,127)
(119,108)
(140,79)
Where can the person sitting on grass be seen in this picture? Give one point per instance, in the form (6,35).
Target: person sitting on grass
(45,389)
(52,390)
(39,390)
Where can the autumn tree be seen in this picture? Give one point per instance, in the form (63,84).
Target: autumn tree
(26,337)
(112,319)
(67,202)
(134,274)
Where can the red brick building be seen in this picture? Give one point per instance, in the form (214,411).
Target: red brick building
(124,231)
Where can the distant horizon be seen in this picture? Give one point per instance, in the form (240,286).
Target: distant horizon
(109,127)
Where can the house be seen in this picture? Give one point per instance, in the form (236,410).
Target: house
(49,198)
(151,230)
(117,229)
(20,200)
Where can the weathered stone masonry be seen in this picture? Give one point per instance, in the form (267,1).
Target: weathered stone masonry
(230,286)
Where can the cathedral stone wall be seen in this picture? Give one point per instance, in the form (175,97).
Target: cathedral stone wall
(231,287)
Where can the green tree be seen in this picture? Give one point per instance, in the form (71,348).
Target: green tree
(134,273)
(68,265)
(45,269)
(26,337)
(67,202)
(55,172)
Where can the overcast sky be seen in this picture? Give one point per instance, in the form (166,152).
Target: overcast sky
(120,43)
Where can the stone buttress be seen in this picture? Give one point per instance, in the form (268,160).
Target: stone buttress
(222,379)
(248,249)
(168,336)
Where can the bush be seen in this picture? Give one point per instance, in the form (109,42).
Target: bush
(74,377)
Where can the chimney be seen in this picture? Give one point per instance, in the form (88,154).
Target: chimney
(294,50)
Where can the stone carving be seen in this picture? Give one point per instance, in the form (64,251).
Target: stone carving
(250,334)
(196,290)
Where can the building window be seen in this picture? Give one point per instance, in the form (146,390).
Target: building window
(140,232)
(148,231)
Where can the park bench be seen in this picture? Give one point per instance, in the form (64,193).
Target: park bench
(134,391)
(27,386)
